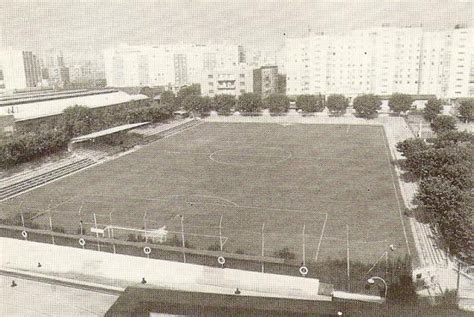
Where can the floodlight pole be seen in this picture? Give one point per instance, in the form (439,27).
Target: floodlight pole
(21,214)
(144,227)
(112,228)
(220,233)
(348,261)
(182,237)
(304,246)
(263,247)
(96,233)
(50,223)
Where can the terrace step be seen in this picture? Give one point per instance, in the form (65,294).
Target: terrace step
(13,189)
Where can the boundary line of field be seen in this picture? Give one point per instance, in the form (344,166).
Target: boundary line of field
(389,161)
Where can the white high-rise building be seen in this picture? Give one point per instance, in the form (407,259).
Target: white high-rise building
(20,69)
(166,65)
(382,61)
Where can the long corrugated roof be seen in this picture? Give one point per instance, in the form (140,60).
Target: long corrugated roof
(109,131)
(39,109)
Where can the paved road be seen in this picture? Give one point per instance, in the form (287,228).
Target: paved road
(31,298)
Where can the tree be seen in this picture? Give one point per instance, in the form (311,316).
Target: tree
(453,137)
(223,104)
(433,108)
(193,90)
(437,195)
(400,102)
(443,123)
(366,106)
(277,103)
(167,97)
(337,104)
(310,103)
(450,211)
(466,110)
(409,146)
(77,120)
(249,102)
(197,103)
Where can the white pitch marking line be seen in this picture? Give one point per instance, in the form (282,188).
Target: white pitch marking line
(321,238)
(387,152)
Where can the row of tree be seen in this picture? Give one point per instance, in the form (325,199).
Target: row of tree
(78,120)
(444,168)
(189,98)
(365,106)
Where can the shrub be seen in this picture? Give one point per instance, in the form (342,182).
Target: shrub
(285,253)
(366,106)
(310,103)
(337,104)
(249,102)
(443,123)
(214,247)
(466,110)
(400,102)
(433,108)
(223,104)
(277,103)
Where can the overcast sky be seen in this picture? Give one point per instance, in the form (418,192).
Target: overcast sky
(75,24)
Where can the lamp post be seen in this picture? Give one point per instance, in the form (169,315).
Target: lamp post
(371,281)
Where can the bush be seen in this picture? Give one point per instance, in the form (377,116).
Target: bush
(285,253)
(366,106)
(214,247)
(443,123)
(337,104)
(277,103)
(466,110)
(400,102)
(224,104)
(310,103)
(59,229)
(250,103)
(433,108)
(26,147)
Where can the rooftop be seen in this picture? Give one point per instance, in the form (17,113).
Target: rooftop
(34,106)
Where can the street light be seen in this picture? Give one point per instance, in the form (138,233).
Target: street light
(371,281)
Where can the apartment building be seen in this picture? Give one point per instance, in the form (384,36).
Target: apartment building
(234,81)
(21,69)
(265,80)
(382,61)
(166,65)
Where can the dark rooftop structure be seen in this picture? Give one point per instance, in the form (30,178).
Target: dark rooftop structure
(144,301)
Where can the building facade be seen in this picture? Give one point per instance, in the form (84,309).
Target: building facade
(382,61)
(265,80)
(172,66)
(233,81)
(21,69)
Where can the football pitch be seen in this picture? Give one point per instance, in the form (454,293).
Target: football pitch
(325,191)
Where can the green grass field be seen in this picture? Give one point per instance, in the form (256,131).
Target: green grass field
(335,181)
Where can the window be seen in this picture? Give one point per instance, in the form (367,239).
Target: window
(242,91)
(210,76)
(211,91)
(211,83)
(242,75)
(242,83)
